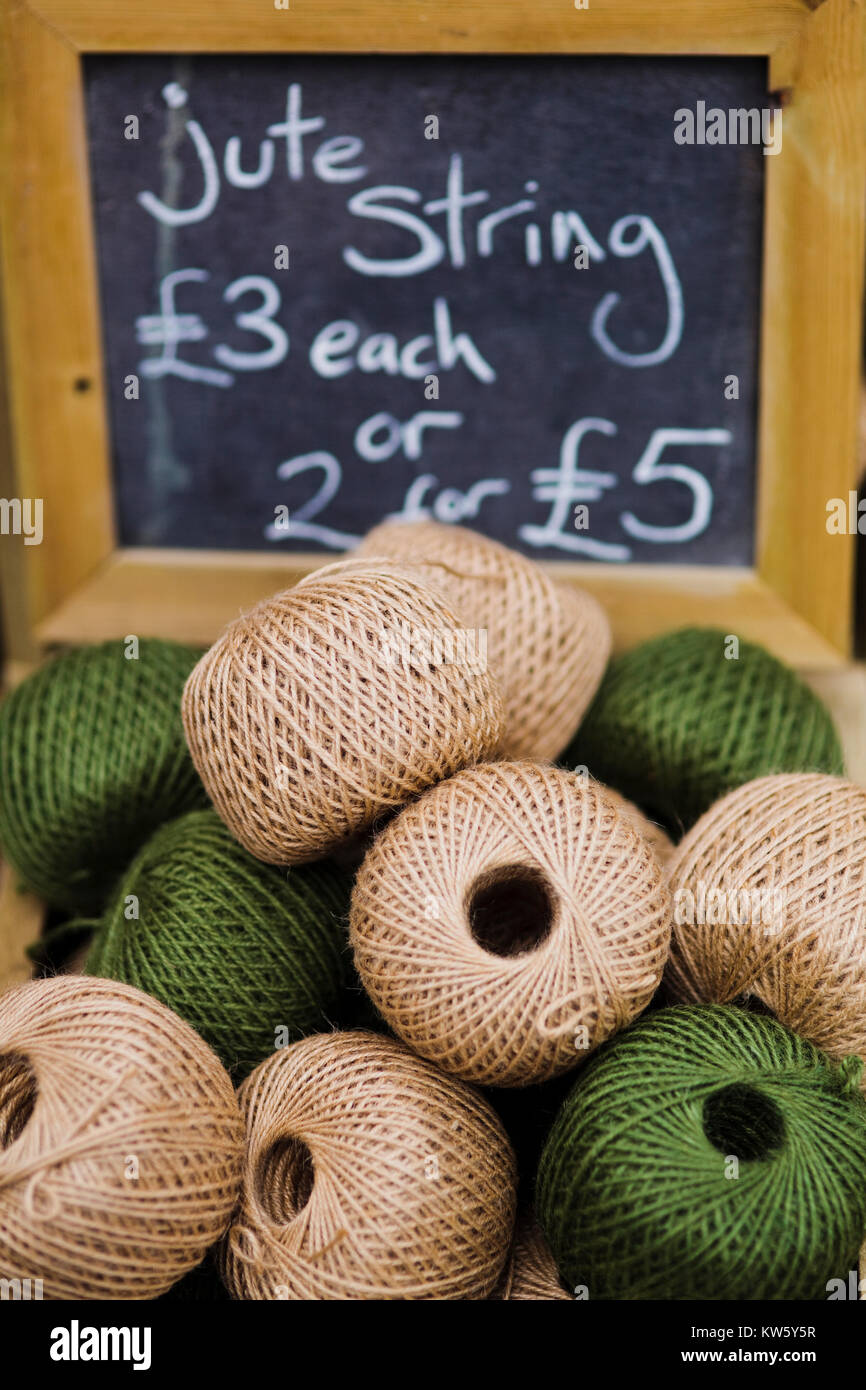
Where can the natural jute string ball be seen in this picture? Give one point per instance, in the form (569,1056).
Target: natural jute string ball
(660,843)
(333,703)
(530,1274)
(92,759)
(683,719)
(707,1153)
(368,1175)
(248,954)
(768,892)
(120,1141)
(548,643)
(509,921)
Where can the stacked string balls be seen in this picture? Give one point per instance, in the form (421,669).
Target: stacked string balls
(332,704)
(252,957)
(548,643)
(768,893)
(707,1153)
(684,718)
(120,1141)
(368,1174)
(92,760)
(508,921)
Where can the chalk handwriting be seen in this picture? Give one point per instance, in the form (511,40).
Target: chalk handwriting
(399,231)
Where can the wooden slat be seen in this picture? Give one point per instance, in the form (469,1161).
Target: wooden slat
(52,331)
(17,635)
(511,26)
(844,694)
(191,595)
(811,320)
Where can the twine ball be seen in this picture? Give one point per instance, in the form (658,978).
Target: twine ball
(548,643)
(368,1175)
(120,1141)
(660,843)
(768,891)
(676,724)
(247,954)
(331,704)
(509,921)
(92,759)
(707,1153)
(530,1274)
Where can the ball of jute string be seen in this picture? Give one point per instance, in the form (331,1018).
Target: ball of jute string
(768,891)
(548,643)
(333,703)
(683,719)
(368,1175)
(530,1273)
(238,948)
(707,1152)
(92,760)
(120,1141)
(660,843)
(509,921)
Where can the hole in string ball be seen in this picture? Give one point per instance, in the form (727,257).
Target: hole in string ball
(248,954)
(368,1175)
(92,759)
(530,1273)
(676,724)
(768,890)
(548,643)
(707,1153)
(120,1141)
(327,706)
(508,921)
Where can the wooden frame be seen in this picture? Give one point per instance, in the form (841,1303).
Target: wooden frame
(79,586)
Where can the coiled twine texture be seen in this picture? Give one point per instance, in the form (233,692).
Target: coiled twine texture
(707,1153)
(660,843)
(548,643)
(120,1141)
(368,1175)
(92,760)
(331,704)
(676,724)
(768,892)
(530,1274)
(247,954)
(508,922)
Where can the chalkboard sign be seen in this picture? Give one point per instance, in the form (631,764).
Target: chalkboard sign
(580,279)
(491,290)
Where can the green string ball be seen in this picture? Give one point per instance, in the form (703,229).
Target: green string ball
(677,723)
(254,957)
(707,1153)
(92,759)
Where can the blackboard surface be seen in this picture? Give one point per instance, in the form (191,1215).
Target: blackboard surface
(291,302)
